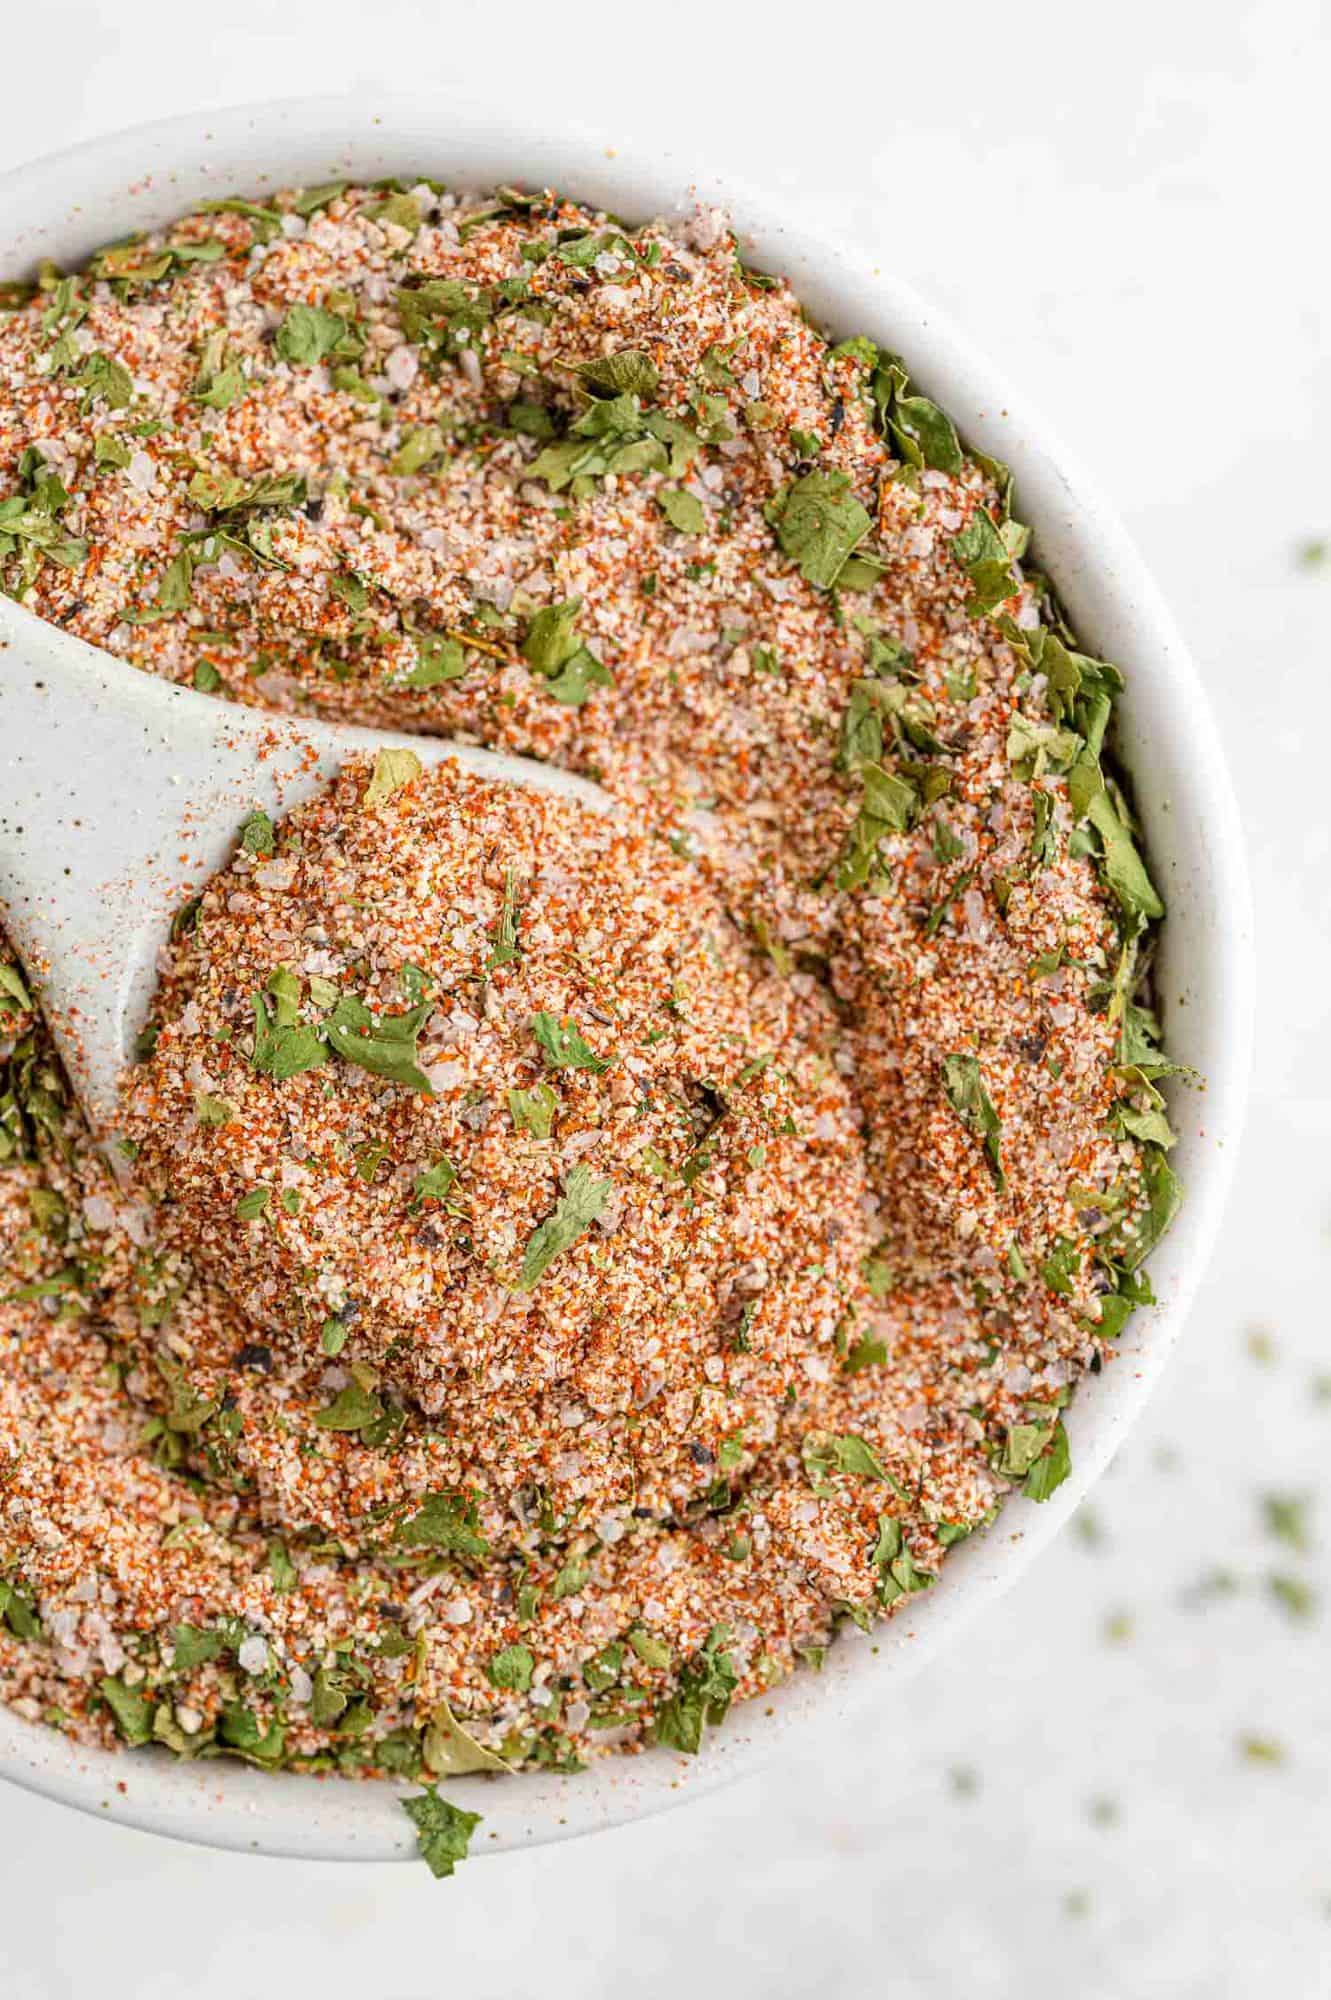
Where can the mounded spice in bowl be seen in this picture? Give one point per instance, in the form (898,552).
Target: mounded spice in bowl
(569,1263)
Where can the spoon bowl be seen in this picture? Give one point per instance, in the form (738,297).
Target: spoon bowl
(121,795)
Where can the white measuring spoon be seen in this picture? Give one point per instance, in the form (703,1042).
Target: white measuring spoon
(120,794)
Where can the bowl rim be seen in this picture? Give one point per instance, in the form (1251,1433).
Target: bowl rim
(72,200)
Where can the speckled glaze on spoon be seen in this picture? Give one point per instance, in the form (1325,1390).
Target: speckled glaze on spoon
(119,796)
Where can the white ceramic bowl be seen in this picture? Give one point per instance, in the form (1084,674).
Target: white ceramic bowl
(64,207)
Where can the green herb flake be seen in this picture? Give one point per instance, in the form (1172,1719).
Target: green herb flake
(1255,1749)
(1049,1471)
(192,1645)
(512,1668)
(1295,1597)
(104,380)
(1037,1454)
(308,335)
(397,210)
(313,198)
(533,1110)
(239,1729)
(1285,1516)
(551,636)
(571,1579)
(878,1275)
(966,1093)
(888,805)
(628,372)
(1164,1198)
(650,1649)
(18,1611)
(447,1521)
(614,434)
(582,1201)
(384,1045)
(236,498)
(602,1671)
(257,836)
(899,1575)
(505,947)
(865,1354)
(131,1710)
(563,1046)
(438,659)
(393,769)
(1059,1269)
(281,1570)
(553,649)
(109,451)
(443,1831)
(684,511)
(443,314)
(434,1183)
(219,383)
(825,1452)
(819,523)
(419,447)
(706,1684)
(283,1049)
(1124,869)
(451,1751)
(987,561)
(352,1409)
(922,434)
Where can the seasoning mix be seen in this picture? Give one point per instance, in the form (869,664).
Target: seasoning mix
(566,1262)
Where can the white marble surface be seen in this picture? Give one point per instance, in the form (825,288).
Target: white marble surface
(1128,207)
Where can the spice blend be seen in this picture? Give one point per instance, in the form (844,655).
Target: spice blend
(570,1261)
